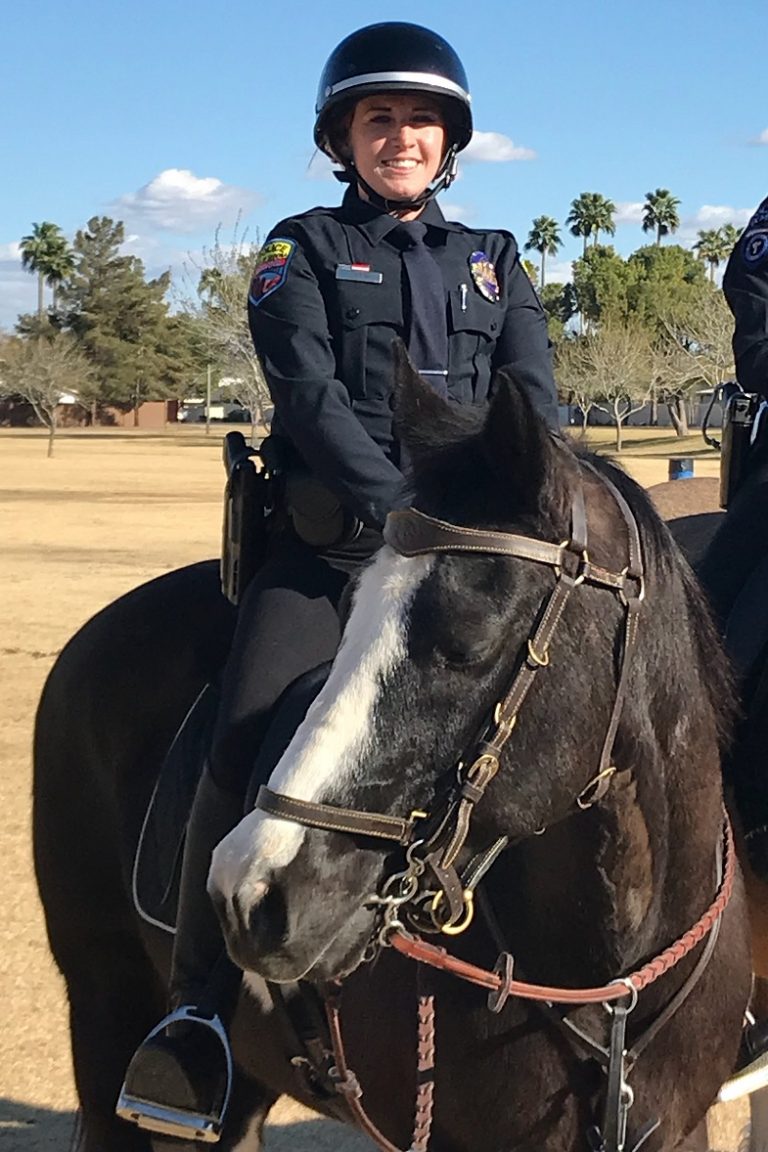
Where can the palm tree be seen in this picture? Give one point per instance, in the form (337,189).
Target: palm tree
(712,248)
(730,234)
(544,238)
(46,252)
(590,215)
(660,213)
(60,265)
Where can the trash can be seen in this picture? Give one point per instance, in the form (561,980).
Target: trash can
(681,468)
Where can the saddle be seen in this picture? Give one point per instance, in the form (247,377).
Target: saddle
(160,850)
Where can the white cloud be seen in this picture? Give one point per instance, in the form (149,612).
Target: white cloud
(629,212)
(715,215)
(18,289)
(494,147)
(11,251)
(559,272)
(178,201)
(761,138)
(320,167)
(459,212)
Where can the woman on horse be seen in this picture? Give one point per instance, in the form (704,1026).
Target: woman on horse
(331,291)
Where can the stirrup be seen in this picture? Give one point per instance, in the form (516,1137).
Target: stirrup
(179,1122)
(746,1081)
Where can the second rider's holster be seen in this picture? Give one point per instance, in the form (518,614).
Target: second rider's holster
(744,439)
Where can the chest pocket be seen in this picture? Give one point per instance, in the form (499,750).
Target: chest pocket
(475,328)
(369,316)
(476,315)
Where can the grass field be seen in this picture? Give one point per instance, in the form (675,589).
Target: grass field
(108,511)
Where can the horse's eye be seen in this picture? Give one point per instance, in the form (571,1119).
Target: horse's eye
(466,652)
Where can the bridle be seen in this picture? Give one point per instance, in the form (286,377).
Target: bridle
(431,894)
(434,841)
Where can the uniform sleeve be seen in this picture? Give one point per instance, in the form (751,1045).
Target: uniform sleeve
(746,289)
(524,345)
(290,331)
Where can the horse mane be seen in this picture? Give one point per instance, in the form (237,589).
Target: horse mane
(664,558)
(460,461)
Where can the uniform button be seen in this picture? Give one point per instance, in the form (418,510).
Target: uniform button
(352,313)
(494,326)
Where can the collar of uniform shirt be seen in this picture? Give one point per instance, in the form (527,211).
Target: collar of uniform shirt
(377,224)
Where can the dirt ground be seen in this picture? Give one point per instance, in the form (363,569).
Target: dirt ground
(109,511)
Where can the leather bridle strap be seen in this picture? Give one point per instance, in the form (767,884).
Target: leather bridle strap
(500,981)
(331,818)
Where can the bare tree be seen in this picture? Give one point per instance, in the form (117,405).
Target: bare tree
(695,353)
(216,293)
(575,377)
(42,371)
(615,363)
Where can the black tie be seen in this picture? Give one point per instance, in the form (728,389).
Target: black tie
(428,327)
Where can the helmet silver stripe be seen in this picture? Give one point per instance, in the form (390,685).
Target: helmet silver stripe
(417,79)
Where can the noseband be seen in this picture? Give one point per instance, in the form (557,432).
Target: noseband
(435,841)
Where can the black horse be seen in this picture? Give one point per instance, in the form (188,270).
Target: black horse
(432,643)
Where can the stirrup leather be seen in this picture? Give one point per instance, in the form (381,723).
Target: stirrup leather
(179,1122)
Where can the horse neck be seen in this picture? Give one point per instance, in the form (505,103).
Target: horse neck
(604,889)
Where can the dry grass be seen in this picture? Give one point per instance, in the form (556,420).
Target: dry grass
(109,511)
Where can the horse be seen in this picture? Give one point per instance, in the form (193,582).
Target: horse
(599,843)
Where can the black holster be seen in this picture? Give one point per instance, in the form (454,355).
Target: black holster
(742,443)
(251,498)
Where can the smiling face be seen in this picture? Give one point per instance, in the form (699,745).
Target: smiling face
(397,142)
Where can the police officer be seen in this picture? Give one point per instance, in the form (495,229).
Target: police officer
(737,550)
(331,291)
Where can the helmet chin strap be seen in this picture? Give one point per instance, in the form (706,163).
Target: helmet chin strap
(444,179)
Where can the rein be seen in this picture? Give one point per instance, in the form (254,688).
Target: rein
(434,897)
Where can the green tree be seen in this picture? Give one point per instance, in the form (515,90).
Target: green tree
(712,248)
(46,253)
(559,304)
(544,238)
(42,371)
(661,279)
(119,318)
(601,285)
(660,213)
(591,213)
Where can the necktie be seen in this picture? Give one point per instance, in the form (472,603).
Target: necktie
(427,327)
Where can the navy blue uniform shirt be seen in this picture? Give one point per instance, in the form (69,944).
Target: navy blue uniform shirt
(746,289)
(326,302)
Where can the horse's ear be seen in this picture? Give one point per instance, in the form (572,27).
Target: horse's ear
(516,440)
(419,410)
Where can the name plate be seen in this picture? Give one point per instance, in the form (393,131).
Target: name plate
(360,272)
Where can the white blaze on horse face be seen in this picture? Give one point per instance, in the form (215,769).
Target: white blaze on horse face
(332,738)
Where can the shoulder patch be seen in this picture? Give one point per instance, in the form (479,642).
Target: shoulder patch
(755,247)
(760,218)
(272,269)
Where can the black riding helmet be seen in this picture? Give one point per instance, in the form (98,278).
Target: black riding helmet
(393,57)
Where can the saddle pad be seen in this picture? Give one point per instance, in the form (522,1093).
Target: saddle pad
(159,853)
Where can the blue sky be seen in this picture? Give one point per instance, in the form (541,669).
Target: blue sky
(175,116)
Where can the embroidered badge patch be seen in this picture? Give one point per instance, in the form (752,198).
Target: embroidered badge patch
(484,275)
(760,218)
(271,270)
(755,247)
